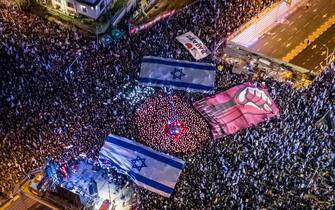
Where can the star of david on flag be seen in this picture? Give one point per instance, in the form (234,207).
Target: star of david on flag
(177,73)
(153,170)
(138,163)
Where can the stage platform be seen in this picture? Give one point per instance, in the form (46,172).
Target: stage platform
(117,188)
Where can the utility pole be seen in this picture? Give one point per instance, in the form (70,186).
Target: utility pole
(78,54)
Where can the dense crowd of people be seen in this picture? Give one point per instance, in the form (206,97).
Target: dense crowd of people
(47,105)
(154,114)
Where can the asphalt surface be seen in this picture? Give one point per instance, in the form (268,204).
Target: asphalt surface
(285,36)
(316,52)
(162,6)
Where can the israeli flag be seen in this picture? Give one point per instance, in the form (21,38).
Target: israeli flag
(178,74)
(148,168)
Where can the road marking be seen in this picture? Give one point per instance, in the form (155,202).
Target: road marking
(315,10)
(306,25)
(289,44)
(283,29)
(279,39)
(266,43)
(325,15)
(323,53)
(291,38)
(273,37)
(313,47)
(300,16)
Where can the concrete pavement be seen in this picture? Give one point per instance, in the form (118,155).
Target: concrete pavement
(287,35)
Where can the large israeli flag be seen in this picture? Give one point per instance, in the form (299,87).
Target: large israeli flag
(148,168)
(178,74)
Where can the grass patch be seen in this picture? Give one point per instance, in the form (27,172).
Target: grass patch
(117,5)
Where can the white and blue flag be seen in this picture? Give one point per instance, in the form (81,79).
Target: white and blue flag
(148,168)
(178,74)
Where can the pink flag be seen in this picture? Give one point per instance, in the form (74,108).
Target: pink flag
(239,107)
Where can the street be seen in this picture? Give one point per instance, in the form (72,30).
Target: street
(316,52)
(161,6)
(288,34)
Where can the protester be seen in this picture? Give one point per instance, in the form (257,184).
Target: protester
(153,114)
(48,104)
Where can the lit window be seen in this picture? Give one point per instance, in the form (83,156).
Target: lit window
(84,9)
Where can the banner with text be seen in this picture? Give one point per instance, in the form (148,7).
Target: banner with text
(194,45)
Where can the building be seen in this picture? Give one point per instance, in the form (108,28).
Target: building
(89,8)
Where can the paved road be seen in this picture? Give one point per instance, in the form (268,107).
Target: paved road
(161,6)
(316,52)
(298,26)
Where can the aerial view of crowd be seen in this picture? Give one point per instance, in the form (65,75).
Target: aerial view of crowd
(155,112)
(45,106)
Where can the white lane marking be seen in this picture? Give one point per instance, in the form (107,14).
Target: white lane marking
(289,44)
(274,51)
(291,38)
(325,15)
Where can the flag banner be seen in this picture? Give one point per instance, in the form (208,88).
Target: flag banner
(177,74)
(194,45)
(239,107)
(153,170)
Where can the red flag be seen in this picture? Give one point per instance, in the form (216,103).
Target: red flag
(239,107)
